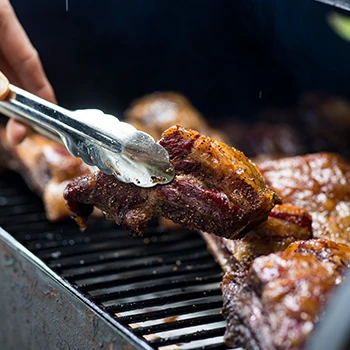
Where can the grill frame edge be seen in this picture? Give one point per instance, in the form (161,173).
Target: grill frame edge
(27,282)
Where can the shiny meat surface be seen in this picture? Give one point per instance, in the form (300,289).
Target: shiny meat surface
(275,304)
(159,111)
(273,301)
(271,139)
(46,166)
(286,223)
(325,250)
(319,183)
(216,190)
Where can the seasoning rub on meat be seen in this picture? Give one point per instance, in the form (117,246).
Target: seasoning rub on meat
(275,290)
(217,189)
(276,303)
(46,166)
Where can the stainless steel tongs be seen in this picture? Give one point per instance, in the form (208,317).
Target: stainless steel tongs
(343,4)
(98,139)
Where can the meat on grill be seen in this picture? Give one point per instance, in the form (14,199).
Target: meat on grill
(275,304)
(286,223)
(46,166)
(216,190)
(159,111)
(256,317)
(319,183)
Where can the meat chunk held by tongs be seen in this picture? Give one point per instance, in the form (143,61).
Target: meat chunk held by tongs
(216,189)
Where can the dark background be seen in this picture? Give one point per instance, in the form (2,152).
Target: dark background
(229,57)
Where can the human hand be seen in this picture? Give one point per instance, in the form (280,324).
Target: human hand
(21,64)
(4,86)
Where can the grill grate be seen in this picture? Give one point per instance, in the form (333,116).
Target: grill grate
(163,286)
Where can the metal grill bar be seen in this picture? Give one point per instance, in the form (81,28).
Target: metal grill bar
(159,301)
(188,337)
(103,257)
(144,276)
(195,321)
(172,311)
(220,346)
(156,288)
(163,287)
(104,246)
(108,268)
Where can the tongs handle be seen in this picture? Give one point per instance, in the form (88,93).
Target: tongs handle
(342,4)
(99,139)
(50,119)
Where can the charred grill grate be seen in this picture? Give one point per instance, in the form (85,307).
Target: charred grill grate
(163,286)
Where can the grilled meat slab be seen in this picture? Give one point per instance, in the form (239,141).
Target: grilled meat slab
(272,301)
(159,111)
(275,304)
(286,223)
(216,189)
(46,166)
(319,183)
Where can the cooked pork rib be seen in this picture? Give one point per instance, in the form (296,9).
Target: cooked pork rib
(286,223)
(211,181)
(46,166)
(216,190)
(319,183)
(159,111)
(256,317)
(275,304)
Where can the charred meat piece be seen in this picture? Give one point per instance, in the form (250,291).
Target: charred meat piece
(319,183)
(286,223)
(216,190)
(275,304)
(159,111)
(325,250)
(46,166)
(259,292)
(270,139)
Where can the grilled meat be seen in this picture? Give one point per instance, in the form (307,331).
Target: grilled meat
(159,111)
(216,190)
(319,183)
(286,223)
(325,251)
(270,139)
(256,317)
(275,304)
(46,166)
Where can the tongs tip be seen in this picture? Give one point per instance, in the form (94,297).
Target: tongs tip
(99,139)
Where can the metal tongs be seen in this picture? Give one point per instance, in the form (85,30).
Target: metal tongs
(342,4)
(98,139)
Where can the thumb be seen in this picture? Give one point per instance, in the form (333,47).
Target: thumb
(4,86)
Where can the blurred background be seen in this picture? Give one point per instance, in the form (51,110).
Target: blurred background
(248,60)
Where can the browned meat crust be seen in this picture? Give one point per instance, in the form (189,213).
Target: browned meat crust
(325,250)
(46,166)
(216,189)
(270,139)
(286,223)
(275,304)
(319,183)
(159,111)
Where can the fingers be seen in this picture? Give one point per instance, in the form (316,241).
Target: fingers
(22,64)
(20,54)
(16,132)
(4,86)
